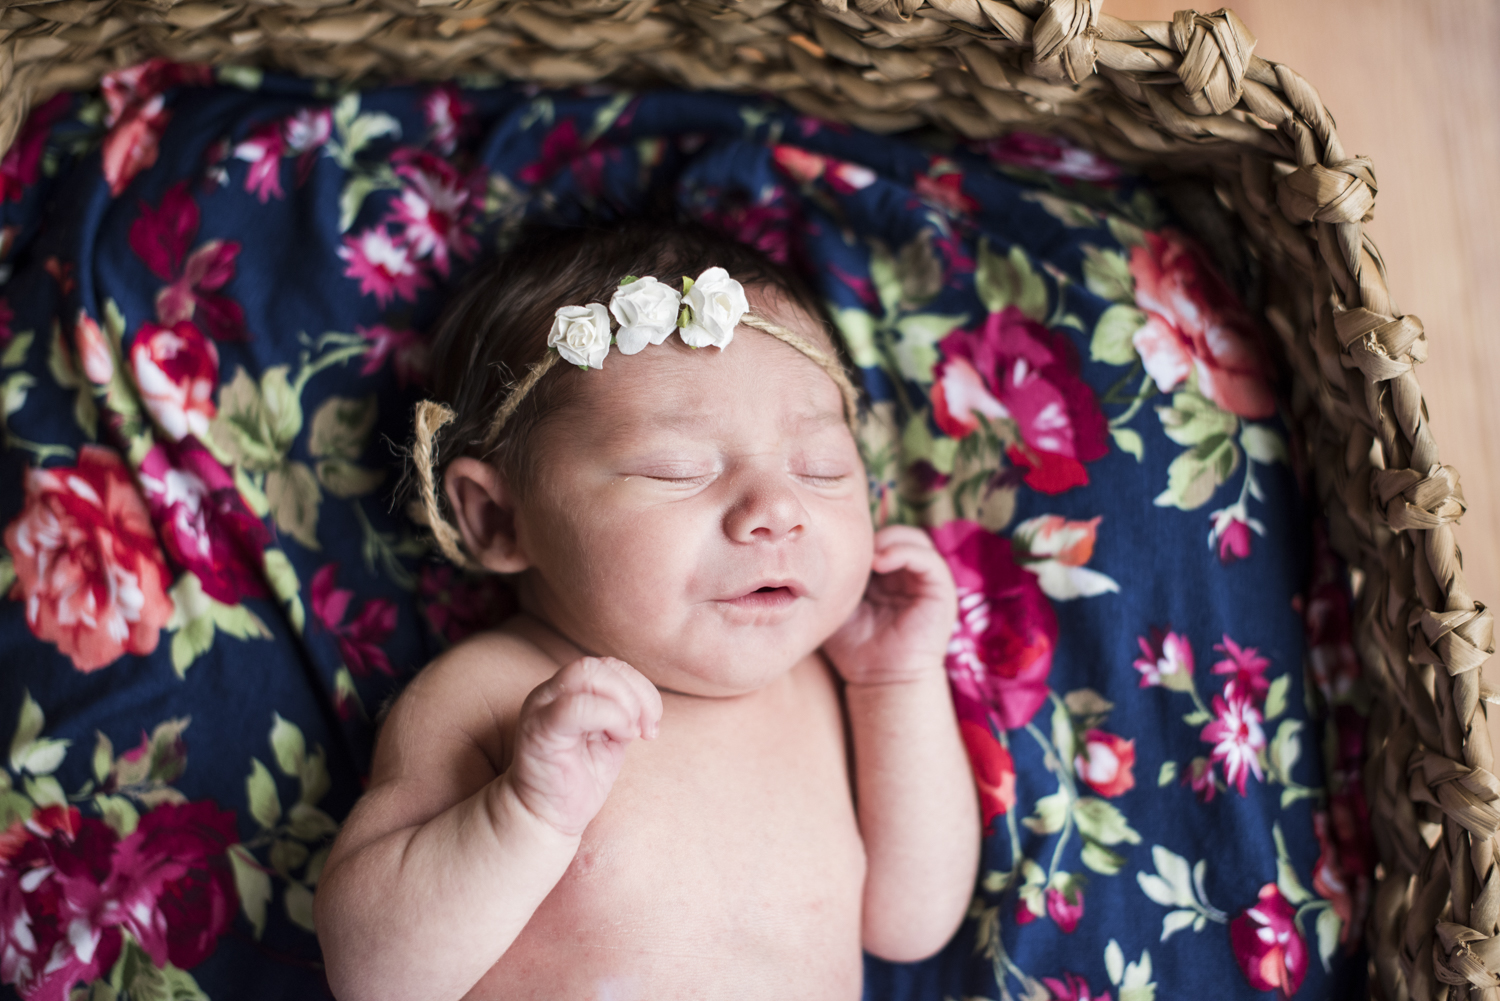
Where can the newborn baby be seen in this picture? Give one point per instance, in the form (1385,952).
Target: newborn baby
(715,755)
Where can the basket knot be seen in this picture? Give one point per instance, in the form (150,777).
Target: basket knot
(1463,957)
(1343,191)
(1459,641)
(1413,500)
(1062,40)
(1465,795)
(1215,56)
(1382,347)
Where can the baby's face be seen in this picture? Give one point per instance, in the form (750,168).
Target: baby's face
(702,515)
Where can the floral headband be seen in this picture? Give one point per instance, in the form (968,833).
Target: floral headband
(704,314)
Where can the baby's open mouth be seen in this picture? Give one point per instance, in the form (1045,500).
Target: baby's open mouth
(767,597)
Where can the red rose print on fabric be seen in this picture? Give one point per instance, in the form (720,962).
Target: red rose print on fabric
(69,891)
(765,224)
(942,188)
(1104,763)
(87,563)
(1270,950)
(22,163)
(177,371)
(1013,367)
(994,771)
(1052,154)
(1001,650)
(1194,323)
(137,115)
(806,167)
(161,237)
(360,638)
(94,355)
(203,523)
(7,317)
(457,607)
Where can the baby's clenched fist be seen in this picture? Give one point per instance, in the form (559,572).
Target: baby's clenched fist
(571,739)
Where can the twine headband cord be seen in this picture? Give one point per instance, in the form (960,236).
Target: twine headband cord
(431,417)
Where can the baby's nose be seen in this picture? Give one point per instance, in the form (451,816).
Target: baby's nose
(767,510)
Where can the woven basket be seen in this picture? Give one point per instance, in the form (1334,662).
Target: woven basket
(1184,97)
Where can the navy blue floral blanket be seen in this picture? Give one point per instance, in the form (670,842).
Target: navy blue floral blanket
(212,305)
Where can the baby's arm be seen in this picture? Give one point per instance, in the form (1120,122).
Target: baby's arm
(918,809)
(444,860)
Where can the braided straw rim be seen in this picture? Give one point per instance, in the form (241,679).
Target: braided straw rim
(431,417)
(1187,96)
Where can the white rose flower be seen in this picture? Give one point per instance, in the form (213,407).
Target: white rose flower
(646,311)
(581,334)
(717,302)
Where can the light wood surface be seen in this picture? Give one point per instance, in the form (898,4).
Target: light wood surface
(1415,85)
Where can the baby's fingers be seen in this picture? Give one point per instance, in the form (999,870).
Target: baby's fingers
(611,679)
(584,714)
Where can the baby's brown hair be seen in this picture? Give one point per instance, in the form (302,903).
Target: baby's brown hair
(490,361)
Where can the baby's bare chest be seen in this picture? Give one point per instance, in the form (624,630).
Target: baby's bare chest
(726,863)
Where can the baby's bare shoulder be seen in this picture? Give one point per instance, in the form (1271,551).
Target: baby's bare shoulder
(471,692)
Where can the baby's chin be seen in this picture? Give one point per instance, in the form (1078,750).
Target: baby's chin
(736,662)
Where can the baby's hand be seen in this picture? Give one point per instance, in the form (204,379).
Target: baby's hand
(571,738)
(901,629)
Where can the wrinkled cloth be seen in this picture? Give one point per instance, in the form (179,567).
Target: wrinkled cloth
(216,287)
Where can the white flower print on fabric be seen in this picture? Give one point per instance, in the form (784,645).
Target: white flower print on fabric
(647,312)
(715,303)
(581,334)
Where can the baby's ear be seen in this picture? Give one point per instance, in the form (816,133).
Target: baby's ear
(486,514)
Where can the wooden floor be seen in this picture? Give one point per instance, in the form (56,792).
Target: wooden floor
(1414,84)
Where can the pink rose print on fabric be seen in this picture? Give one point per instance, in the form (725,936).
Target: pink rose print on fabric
(1104,763)
(1001,650)
(87,563)
(1248,668)
(177,370)
(69,891)
(1237,739)
(445,110)
(22,163)
(137,115)
(1065,908)
(405,349)
(160,237)
(994,771)
(7,317)
(457,607)
(1270,950)
(1165,658)
(765,225)
(436,207)
(203,523)
(1072,987)
(1194,323)
(1013,367)
(562,148)
(301,134)
(94,355)
(1230,532)
(806,167)
(384,266)
(360,638)
(1053,155)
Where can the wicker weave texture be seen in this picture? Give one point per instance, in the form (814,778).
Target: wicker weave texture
(1184,96)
